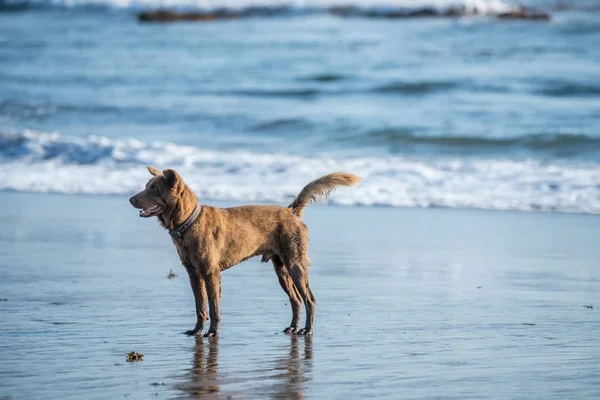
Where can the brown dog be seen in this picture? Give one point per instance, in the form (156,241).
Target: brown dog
(210,240)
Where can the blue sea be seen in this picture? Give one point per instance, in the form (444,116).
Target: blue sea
(466,112)
(419,295)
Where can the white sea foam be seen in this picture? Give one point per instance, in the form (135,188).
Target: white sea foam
(42,162)
(469,6)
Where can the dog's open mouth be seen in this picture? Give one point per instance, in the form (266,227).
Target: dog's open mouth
(150,211)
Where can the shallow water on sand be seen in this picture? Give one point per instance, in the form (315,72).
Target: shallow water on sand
(411,304)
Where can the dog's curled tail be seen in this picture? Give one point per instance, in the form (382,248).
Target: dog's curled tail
(321,188)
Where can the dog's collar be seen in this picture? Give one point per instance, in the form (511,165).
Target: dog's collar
(180,230)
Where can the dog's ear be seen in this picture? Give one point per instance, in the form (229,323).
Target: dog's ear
(153,171)
(172,177)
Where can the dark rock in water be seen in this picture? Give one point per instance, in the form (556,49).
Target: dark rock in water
(525,14)
(172,16)
(350,11)
(418,13)
(430,12)
(165,15)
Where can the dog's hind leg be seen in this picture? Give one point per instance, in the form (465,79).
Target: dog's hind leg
(299,275)
(287,284)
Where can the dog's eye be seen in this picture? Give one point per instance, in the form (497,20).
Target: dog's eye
(154,188)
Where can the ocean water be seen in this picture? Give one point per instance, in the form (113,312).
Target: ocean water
(469,112)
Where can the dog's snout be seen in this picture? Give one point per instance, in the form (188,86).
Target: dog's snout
(132,201)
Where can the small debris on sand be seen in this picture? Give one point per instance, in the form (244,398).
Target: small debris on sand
(587,306)
(172,275)
(3,299)
(158,384)
(134,356)
(479,287)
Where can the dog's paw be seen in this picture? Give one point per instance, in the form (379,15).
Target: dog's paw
(193,332)
(290,330)
(304,332)
(211,334)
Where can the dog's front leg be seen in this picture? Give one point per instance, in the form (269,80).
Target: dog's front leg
(199,289)
(212,279)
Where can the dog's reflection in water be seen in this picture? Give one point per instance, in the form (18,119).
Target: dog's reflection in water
(295,369)
(285,379)
(202,379)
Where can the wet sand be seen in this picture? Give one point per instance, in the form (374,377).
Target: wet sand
(411,304)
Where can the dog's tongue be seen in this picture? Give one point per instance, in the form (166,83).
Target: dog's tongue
(144,212)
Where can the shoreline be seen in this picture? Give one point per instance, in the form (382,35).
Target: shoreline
(232,203)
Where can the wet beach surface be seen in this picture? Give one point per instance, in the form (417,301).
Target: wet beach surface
(411,303)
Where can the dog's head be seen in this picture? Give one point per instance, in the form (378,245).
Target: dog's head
(161,193)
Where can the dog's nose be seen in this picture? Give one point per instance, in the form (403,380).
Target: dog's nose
(132,200)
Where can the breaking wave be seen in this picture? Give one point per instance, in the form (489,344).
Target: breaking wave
(44,162)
